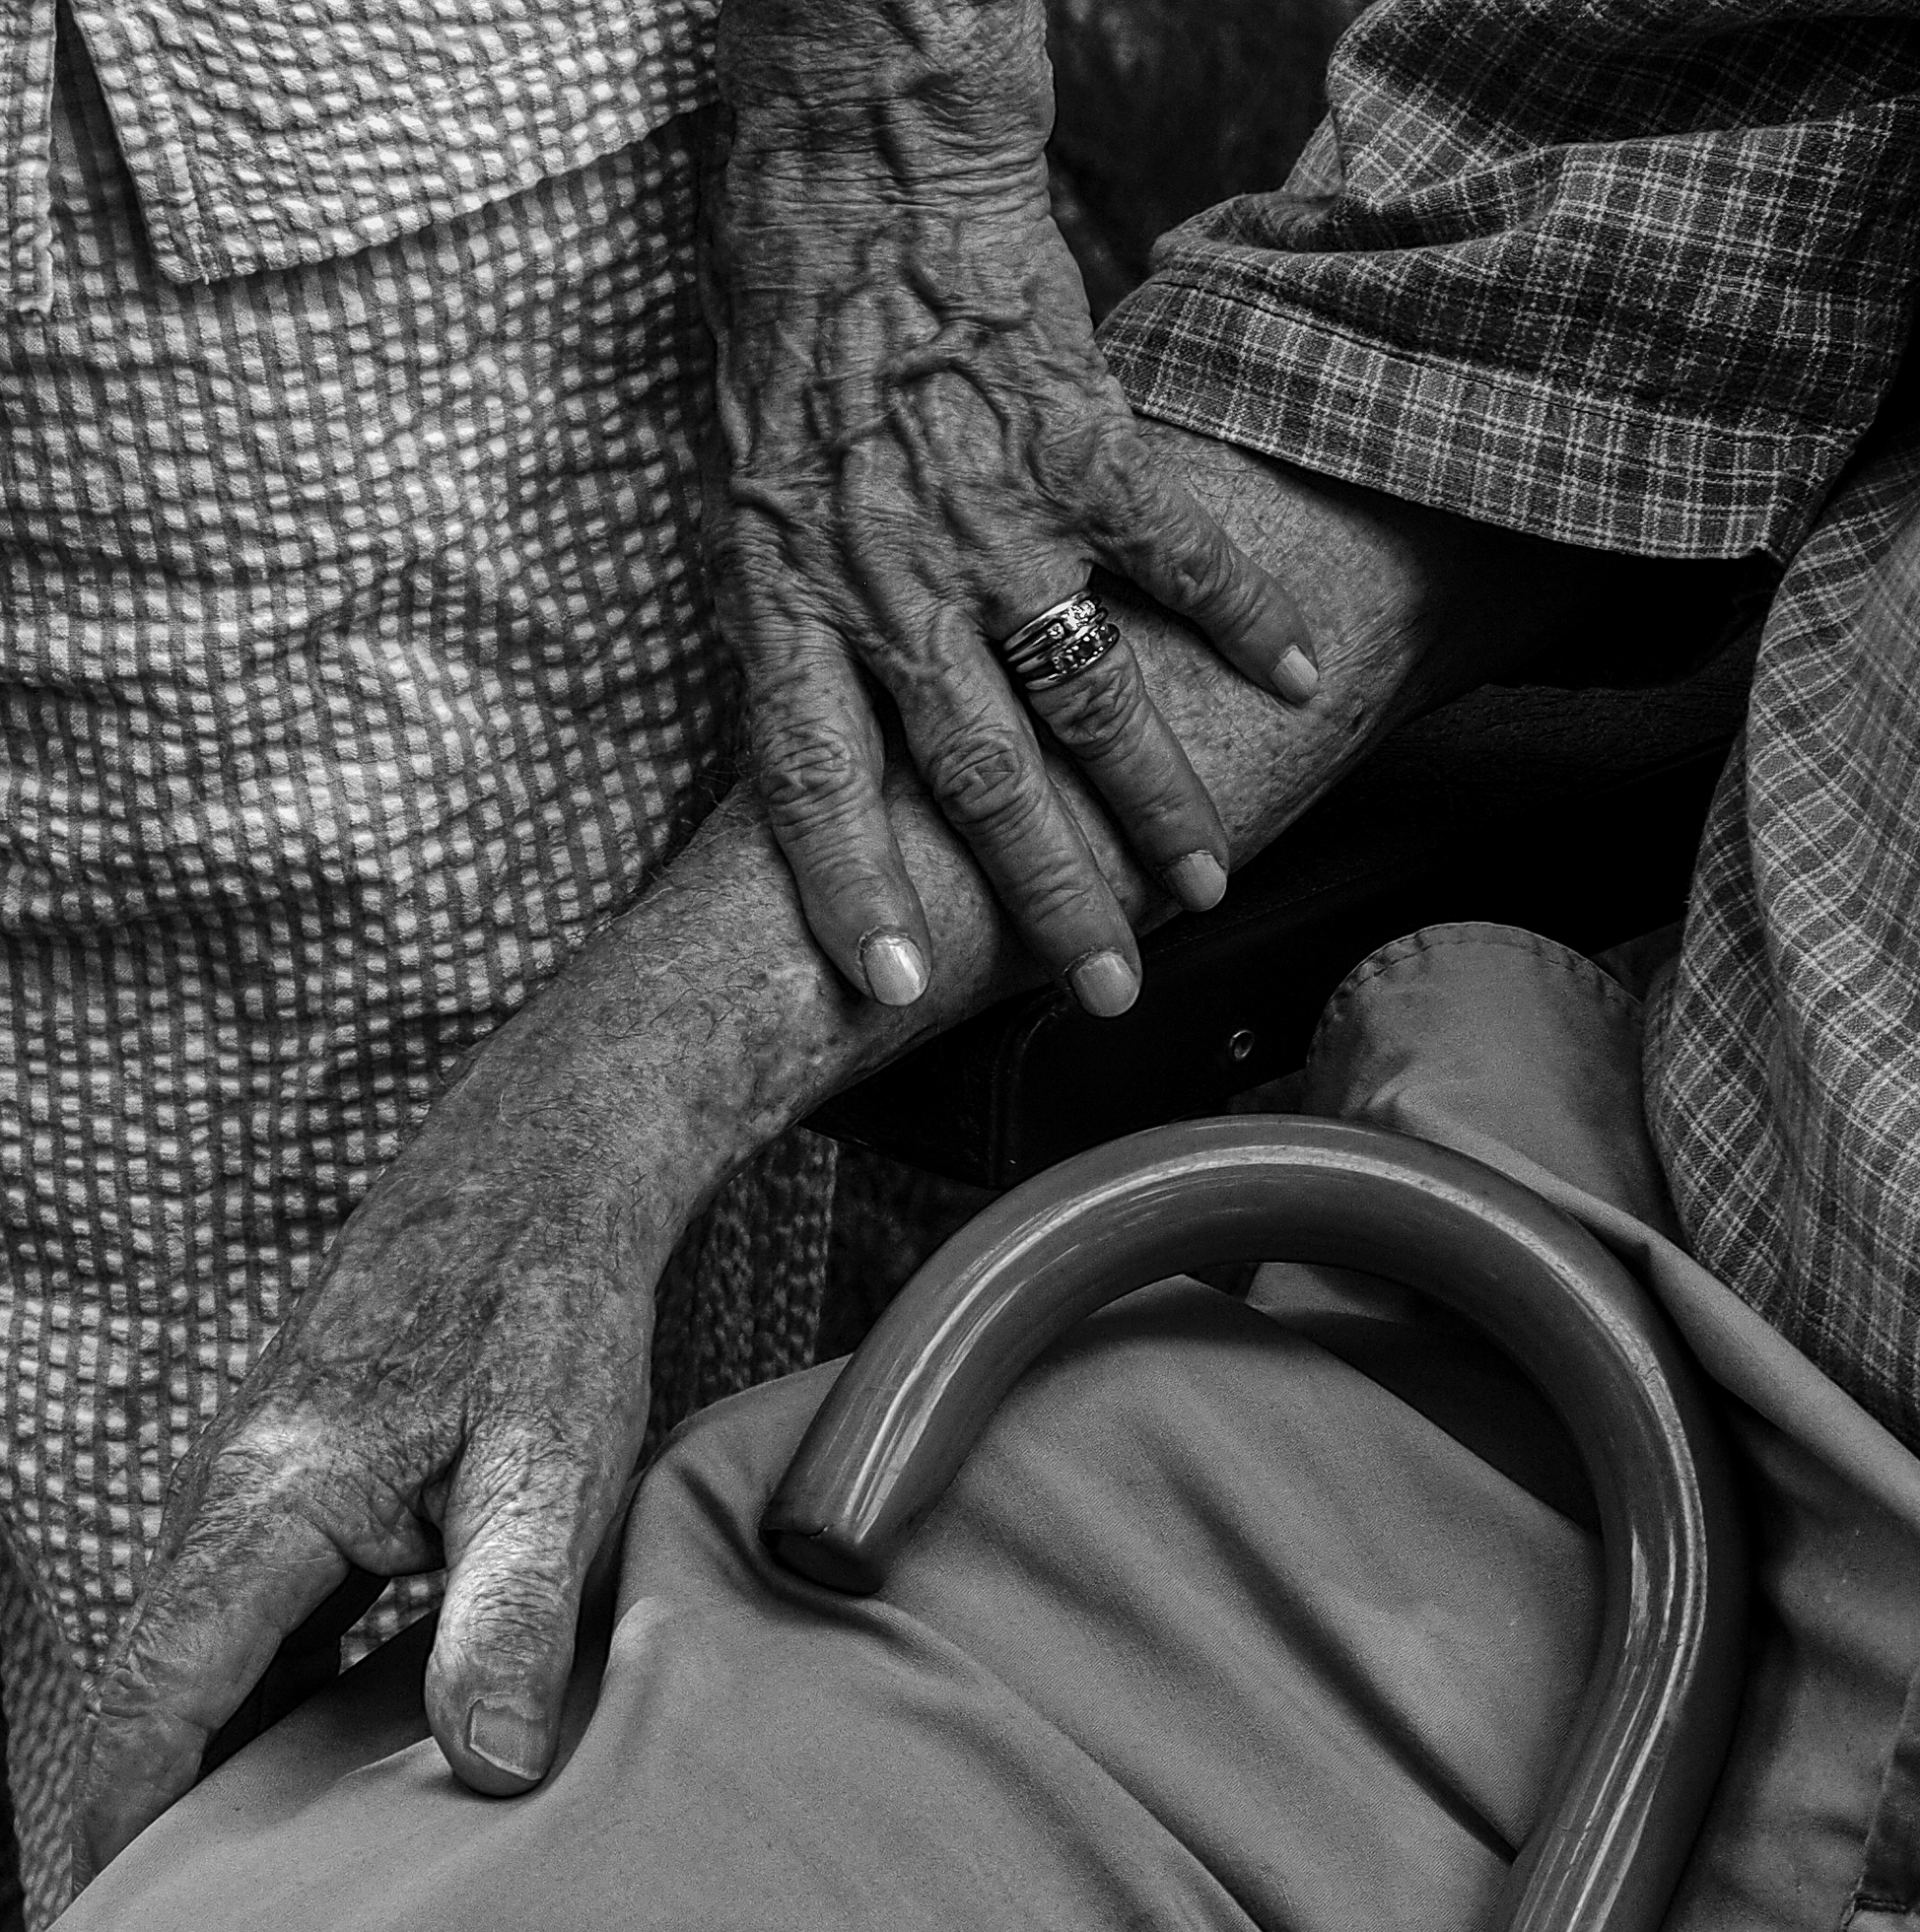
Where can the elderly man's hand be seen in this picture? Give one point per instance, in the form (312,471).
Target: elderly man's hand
(924,451)
(466,1385)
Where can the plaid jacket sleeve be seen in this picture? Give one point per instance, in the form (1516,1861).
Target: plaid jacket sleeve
(1629,273)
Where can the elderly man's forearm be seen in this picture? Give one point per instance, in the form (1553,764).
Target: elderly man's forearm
(705,1022)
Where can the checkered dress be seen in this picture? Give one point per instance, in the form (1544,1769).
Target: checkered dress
(1641,277)
(353,665)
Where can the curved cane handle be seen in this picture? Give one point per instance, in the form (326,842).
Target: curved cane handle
(1638,1772)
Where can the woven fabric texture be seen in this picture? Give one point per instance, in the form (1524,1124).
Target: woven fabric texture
(1634,277)
(260,135)
(1642,278)
(354,663)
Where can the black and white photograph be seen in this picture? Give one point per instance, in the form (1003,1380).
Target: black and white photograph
(959,965)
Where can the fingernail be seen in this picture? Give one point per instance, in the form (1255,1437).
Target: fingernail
(507,1741)
(1197,882)
(896,974)
(1296,678)
(1103,982)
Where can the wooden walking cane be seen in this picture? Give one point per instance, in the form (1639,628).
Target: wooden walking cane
(1640,1762)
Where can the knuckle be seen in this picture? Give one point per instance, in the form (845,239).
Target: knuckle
(274,1445)
(988,778)
(1206,575)
(808,769)
(123,1694)
(282,1469)
(1100,716)
(132,1704)
(277,1461)
(1060,902)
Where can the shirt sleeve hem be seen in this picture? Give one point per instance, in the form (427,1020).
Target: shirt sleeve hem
(1604,472)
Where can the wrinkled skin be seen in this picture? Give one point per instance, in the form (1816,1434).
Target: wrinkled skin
(925,450)
(466,1384)
(468,1381)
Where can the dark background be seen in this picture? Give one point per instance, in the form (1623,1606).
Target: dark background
(1166,107)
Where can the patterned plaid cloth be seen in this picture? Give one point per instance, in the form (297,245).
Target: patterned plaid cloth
(1641,277)
(352,665)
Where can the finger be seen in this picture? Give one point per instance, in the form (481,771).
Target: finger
(307,1661)
(250,1571)
(973,744)
(1151,529)
(524,1518)
(818,761)
(1104,718)
(976,748)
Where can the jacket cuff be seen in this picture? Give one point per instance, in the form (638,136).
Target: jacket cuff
(1212,345)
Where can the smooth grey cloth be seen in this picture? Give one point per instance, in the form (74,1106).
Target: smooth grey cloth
(1212,1632)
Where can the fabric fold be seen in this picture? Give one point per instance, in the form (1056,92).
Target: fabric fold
(27,37)
(259,136)
(1632,278)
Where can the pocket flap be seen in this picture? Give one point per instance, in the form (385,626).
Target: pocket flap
(262,133)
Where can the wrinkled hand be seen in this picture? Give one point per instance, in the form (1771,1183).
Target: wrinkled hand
(924,451)
(466,1385)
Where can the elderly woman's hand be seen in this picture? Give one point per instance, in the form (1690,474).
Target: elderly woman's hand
(925,451)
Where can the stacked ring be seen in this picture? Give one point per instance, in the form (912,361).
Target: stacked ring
(1061,643)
